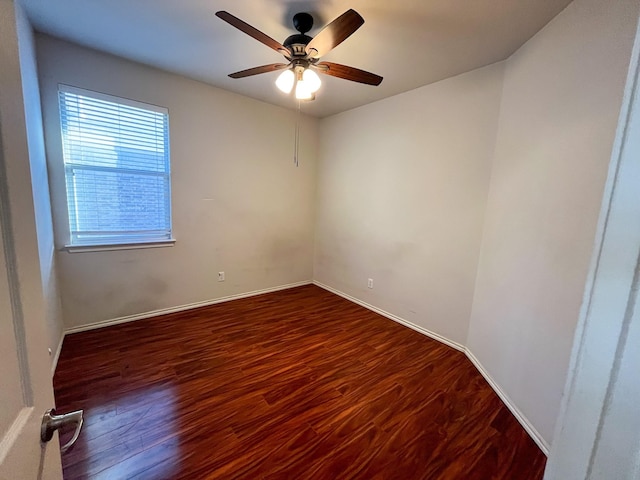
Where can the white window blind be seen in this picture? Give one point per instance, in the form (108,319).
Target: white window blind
(116,160)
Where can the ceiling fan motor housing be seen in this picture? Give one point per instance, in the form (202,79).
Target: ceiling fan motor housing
(297,43)
(303,22)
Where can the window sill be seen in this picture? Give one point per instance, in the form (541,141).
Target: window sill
(118,246)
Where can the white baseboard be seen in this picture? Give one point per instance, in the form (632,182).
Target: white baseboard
(56,355)
(393,317)
(526,424)
(180,308)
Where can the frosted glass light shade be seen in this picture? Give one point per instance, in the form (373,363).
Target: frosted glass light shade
(285,81)
(312,80)
(302,91)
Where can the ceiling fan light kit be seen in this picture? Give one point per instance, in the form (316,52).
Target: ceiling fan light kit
(285,81)
(303,53)
(312,79)
(306,82)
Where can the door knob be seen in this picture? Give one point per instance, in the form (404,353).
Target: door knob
(52,422)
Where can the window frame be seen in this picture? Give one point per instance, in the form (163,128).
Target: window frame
(128,240)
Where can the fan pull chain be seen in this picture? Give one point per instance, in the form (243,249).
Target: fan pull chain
(296,143)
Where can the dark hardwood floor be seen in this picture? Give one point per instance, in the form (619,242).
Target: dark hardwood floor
(297,384)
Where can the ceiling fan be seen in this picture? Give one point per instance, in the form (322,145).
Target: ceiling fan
(303,53)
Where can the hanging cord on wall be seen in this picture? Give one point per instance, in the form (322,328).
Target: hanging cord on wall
(296,142)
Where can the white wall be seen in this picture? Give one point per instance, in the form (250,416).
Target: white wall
(402,188)
(561,98)
(40,181)
(239,204)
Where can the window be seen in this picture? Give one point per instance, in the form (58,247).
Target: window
(116,161)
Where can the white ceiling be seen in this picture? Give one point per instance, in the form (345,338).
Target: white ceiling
(409,42)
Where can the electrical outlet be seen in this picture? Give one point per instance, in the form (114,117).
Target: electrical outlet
(221,276)
(370,283)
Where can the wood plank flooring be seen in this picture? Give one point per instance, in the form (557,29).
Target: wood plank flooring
(297,384)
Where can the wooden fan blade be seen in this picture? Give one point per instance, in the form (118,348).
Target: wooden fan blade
(334,34)
(253,32)
(272,67)
(348,73)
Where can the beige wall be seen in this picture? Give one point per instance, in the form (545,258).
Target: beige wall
(402,187)
(40,184)
(561,99)
(402,190)
(239,204)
